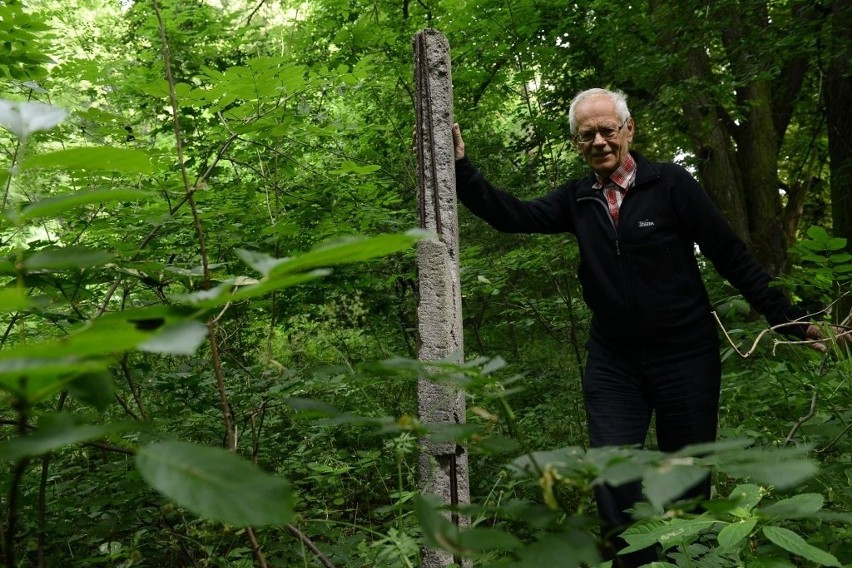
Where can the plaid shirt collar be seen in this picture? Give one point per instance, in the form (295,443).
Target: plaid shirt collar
(623,177)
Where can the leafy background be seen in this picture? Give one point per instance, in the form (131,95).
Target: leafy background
(208,298)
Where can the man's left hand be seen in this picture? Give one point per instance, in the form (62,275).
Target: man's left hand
(838,334)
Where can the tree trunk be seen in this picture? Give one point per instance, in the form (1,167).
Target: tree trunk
(838,97)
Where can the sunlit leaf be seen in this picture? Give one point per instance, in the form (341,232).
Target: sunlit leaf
(104,158)
(51,206)
(24,118)
(181,338)
(13,300)
(352,249)
(216,484)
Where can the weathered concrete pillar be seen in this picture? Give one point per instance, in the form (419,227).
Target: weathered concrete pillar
(443,467)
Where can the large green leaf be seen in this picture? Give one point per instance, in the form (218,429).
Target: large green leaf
(55,433)
(792,542)
(216,484)
(565,550)
(36,378)
(51,206)
(351,249)
(125,160)
(795,507)
(779,467)
(63,258)
(670,480)
(13,299)
(733,534)
(668,534)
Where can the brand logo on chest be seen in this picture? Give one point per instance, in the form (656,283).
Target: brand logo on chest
(646,223)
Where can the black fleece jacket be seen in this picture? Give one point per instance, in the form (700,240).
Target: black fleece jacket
(641,278)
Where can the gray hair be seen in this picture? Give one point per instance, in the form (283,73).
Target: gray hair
(618,98)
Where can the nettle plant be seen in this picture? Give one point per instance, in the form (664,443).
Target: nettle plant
(38,373)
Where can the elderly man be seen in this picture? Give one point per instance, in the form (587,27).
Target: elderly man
(653,344)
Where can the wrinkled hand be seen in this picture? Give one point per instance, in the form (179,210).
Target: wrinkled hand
(838,335)
(458,142)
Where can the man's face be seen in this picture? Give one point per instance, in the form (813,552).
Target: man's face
(596,115)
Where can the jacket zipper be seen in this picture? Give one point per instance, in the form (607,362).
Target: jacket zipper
(609,217)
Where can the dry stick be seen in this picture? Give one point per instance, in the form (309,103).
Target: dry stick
(775,342)
(309,543)
(134,390)
(835,440)
(803,419)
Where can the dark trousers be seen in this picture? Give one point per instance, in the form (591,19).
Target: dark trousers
(622,394)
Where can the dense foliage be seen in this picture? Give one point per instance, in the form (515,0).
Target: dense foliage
(207,312)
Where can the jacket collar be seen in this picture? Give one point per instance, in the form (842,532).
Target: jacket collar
(645,172)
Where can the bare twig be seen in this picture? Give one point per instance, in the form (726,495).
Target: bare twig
(131,384)
(309,543)
(775,342)
(255,548)
(836,439)
(803,419)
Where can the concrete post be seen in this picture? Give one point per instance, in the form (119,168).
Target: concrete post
(442,467)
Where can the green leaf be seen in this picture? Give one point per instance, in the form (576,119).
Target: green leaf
(13,300)
(564,550)
(733,534)
(792,542)
(669,534)
(94,389)
(746,496)
(35,379)
(779,467)
(347,250)
(835,243)
(181,338)
(51,206)
(216,484)
(55,433)
(669,481)
(104,158)
(795,507)
(438,531)
(481,539)
(817,233)
(66,258)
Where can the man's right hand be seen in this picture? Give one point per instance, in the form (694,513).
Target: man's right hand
(458,142)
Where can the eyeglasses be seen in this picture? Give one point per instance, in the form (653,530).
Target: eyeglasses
(607,133)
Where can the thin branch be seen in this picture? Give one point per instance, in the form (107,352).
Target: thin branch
(836,439)
(255,548)
(131,384)
(309,543)
(803,419)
